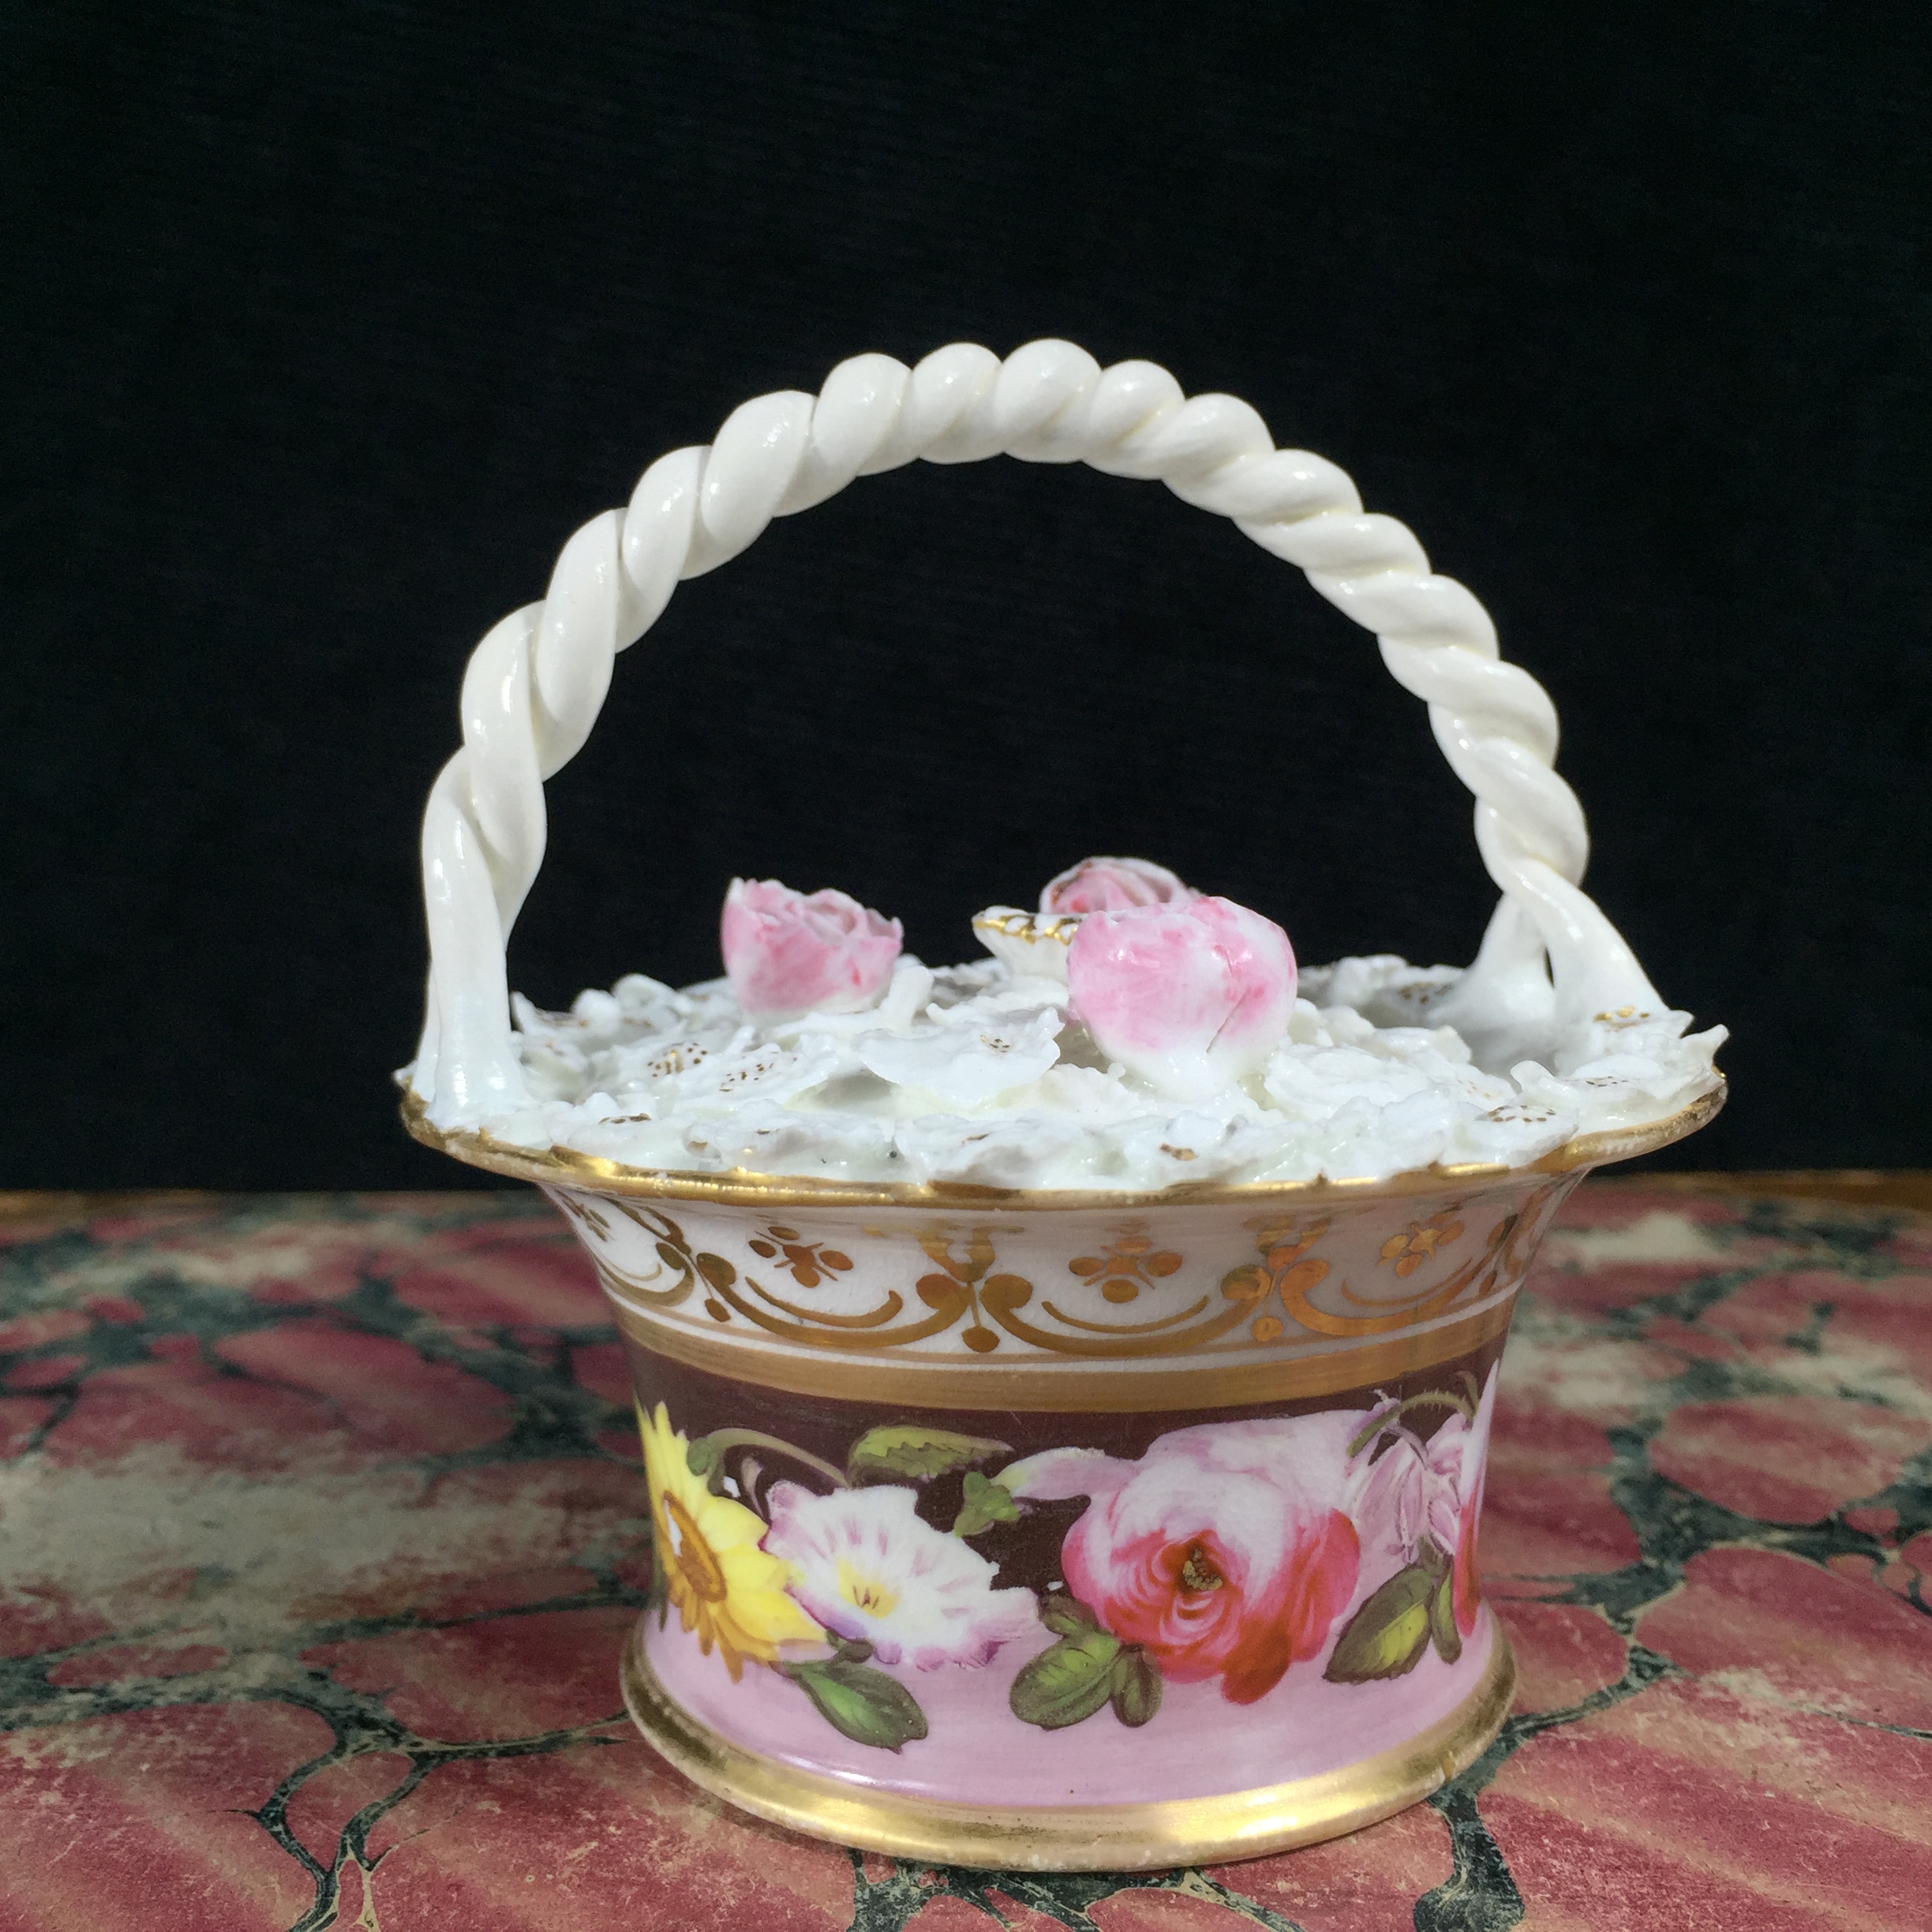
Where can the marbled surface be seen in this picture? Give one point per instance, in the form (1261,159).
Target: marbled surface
(320,1523)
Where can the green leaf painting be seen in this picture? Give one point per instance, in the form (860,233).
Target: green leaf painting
(1448,1639)
(1134,1687)
(859,1703)
(986,1503)
(705,1457)
(910,1449)
(1387,1636)
(1087,1669)
(1065,1617)
(1067,1683)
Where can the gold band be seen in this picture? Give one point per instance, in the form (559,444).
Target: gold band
(1150,1836)
(1032,1383)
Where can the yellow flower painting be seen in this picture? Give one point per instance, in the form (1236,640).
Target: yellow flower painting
(723,1585)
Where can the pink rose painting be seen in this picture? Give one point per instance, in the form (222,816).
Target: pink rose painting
(1190,996)
(787,952)
(1423,1501)
(1226,1550)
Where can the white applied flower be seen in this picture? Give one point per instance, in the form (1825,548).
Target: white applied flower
(1442,1059)
(748,1069)
(1316,1082)
(1383,988)
(1515,1132)
(767,1137)
(1197,1146)
(649,1003)
(634,1140)
(1616,1091)
(1370,1143)
(899,1008)
(867,1567)
(654,1065)
(556,1069)
(1030,1150)
(968,1061)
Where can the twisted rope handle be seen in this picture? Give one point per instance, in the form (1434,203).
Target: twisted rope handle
(537,682)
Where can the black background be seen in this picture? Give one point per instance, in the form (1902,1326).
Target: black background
(325,326)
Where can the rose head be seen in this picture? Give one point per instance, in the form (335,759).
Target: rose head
(788,953)
(1434,1489)
(1226,1550)
(1110,884)
(1458,1455)
(1467,1586)
(1192,996)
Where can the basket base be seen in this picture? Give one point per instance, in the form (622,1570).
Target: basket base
(1120,1837)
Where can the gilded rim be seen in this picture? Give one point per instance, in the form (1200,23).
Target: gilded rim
(562,1167)
(1115,1837)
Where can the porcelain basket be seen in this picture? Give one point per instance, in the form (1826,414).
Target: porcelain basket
(1044,1529)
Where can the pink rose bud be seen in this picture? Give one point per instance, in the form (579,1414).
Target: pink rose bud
(786,953)
(1191,997)
(1110,885)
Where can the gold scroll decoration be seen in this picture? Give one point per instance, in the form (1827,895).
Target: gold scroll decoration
(964,1289)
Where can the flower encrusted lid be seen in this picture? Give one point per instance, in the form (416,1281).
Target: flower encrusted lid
(1556,1019)
(1131,1031)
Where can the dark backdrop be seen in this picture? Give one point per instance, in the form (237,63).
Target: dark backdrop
(326,324)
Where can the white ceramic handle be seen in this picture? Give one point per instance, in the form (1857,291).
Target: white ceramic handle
(537,682)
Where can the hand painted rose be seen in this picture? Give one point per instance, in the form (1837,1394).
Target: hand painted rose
(787,952)
(1459,1455)
(1415,1488)
(1192,996)
(1226,1550)
(1112,885)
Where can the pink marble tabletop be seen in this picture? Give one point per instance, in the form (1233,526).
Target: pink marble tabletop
(320,1524)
